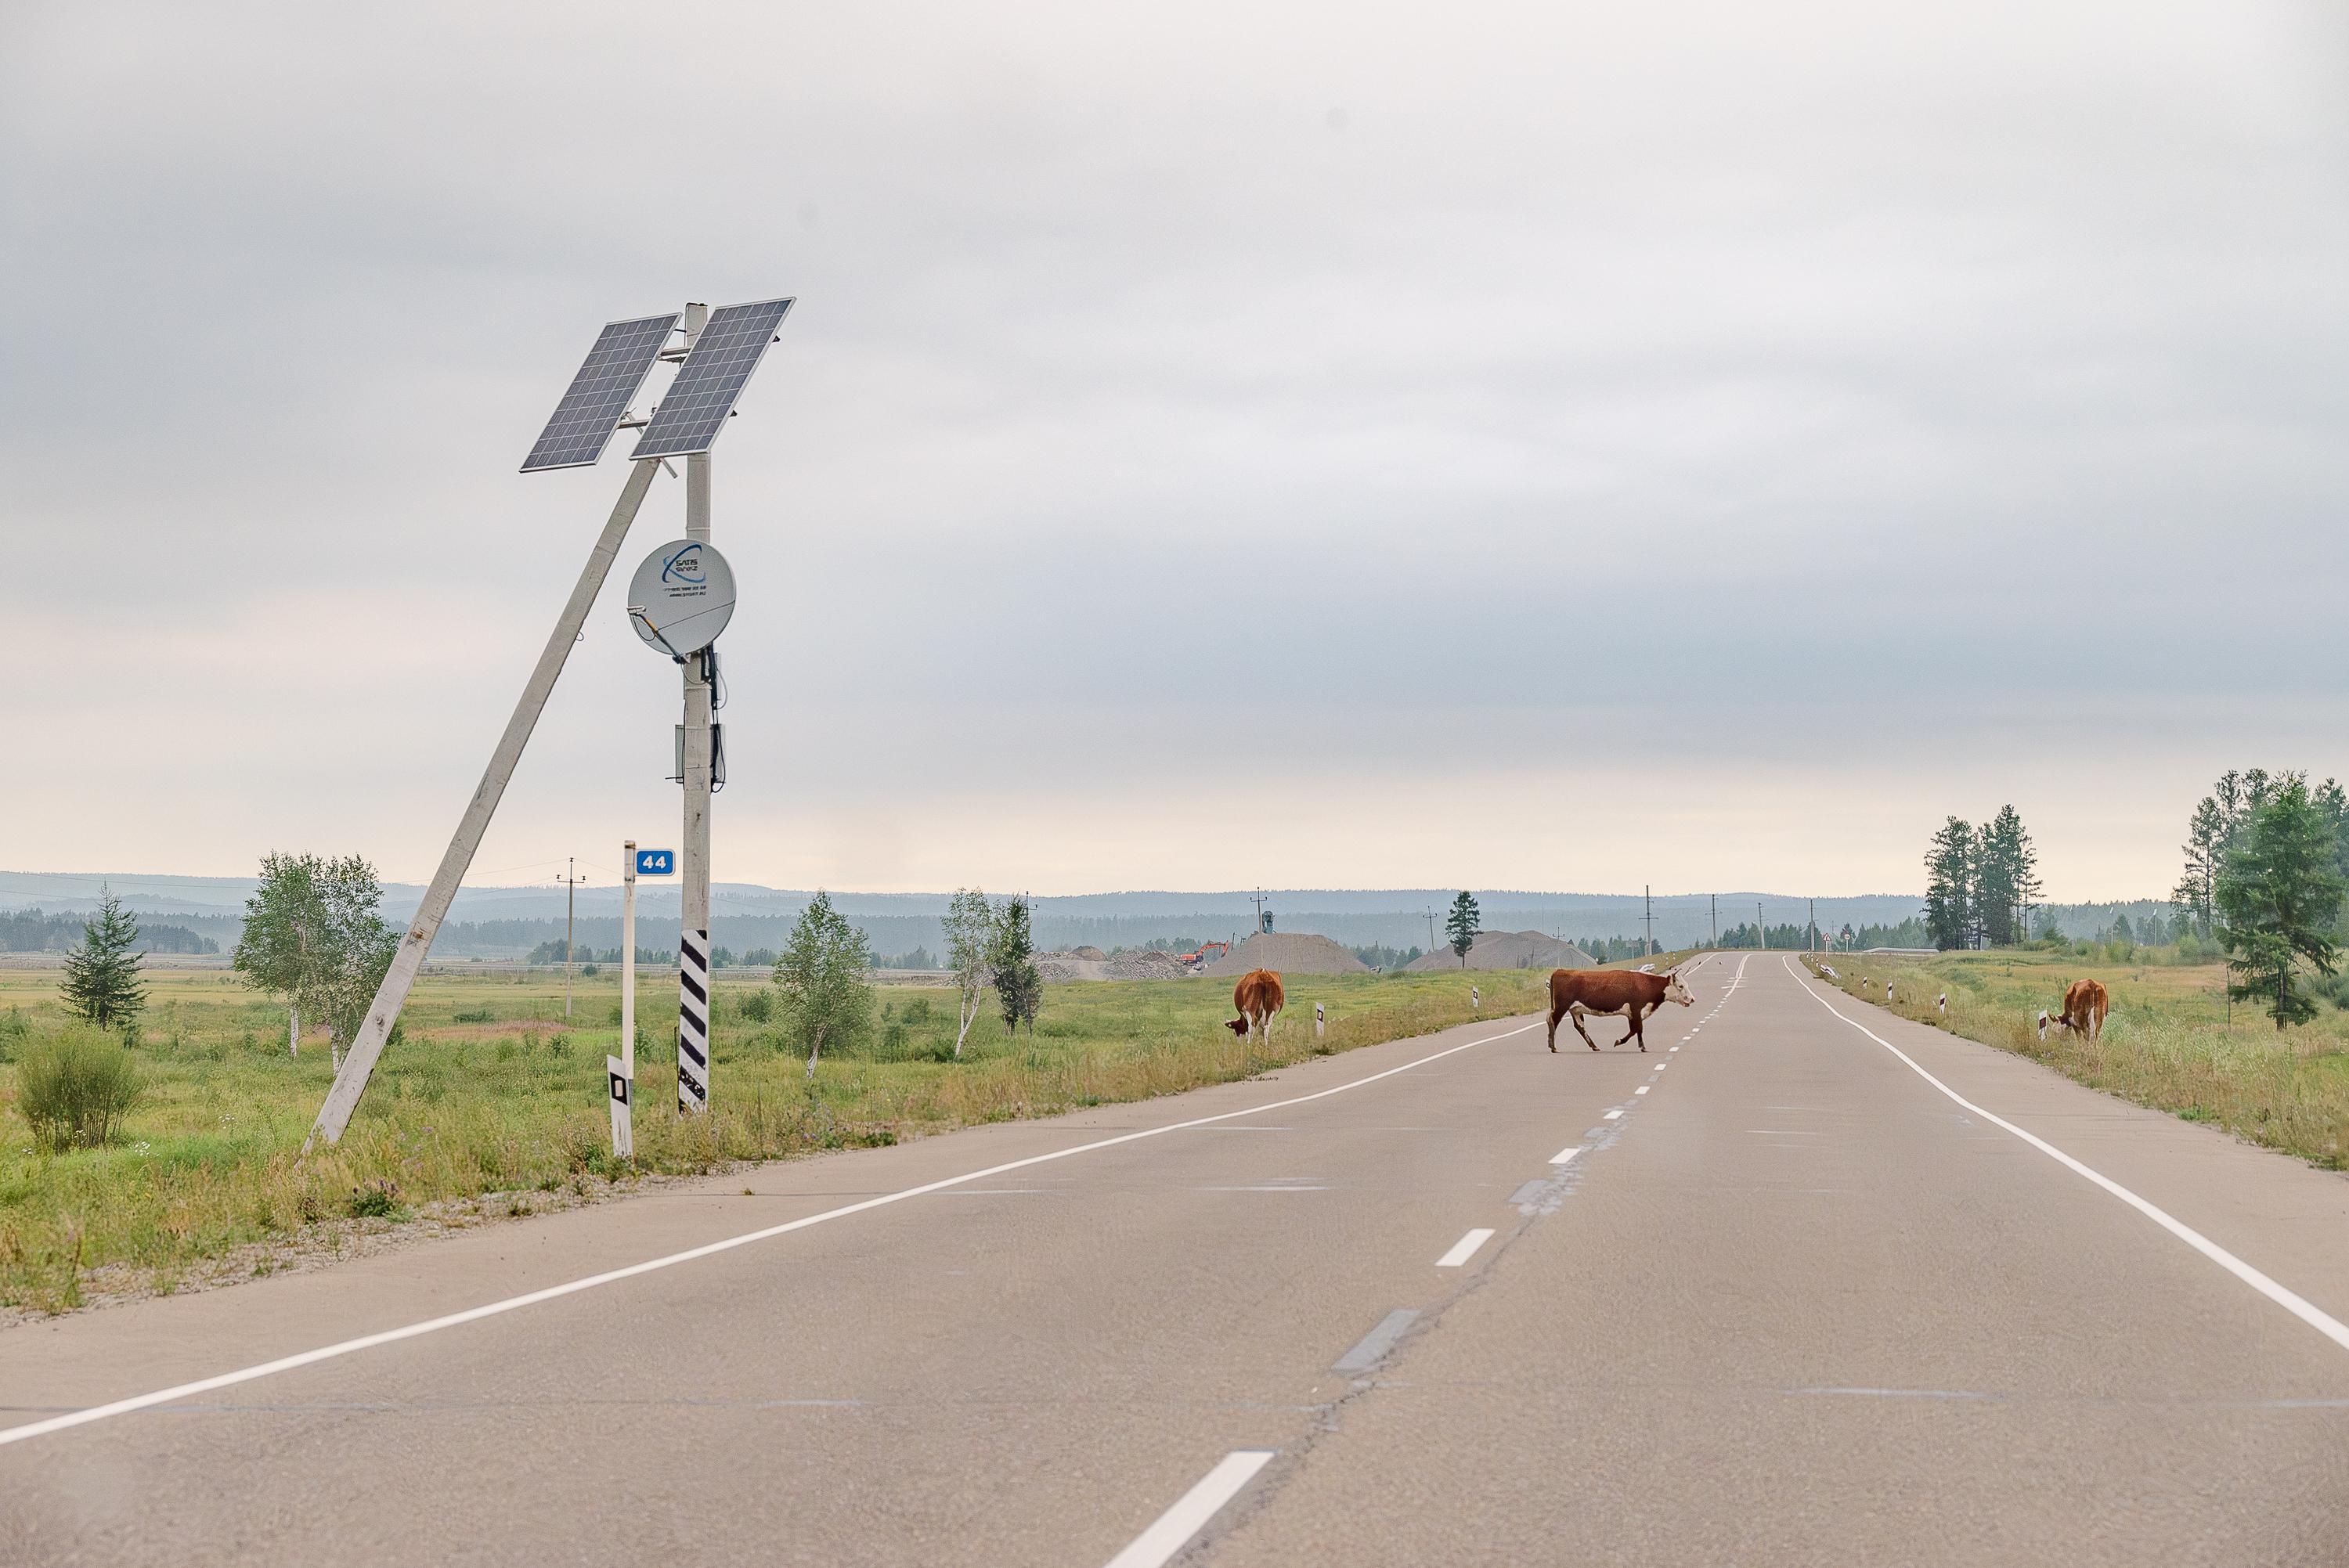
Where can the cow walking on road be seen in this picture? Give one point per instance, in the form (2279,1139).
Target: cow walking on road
(2084,1006)
(1257,996)
(1611,993)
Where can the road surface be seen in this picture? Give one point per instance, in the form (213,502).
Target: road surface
(1768,1294)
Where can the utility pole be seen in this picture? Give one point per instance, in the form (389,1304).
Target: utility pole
(1648,903)
(1760,930)
(1260,911)
(570,910)
(1716,920)
(1431,929)
(1811,937)
(693,935)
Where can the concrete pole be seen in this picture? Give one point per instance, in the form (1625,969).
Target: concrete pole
(693,938)
(351,1078)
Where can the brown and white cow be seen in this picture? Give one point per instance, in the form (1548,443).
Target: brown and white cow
(1611,993)
(2084,1006)
(1259,997)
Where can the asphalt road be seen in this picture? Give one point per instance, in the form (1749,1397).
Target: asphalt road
(1785,1302)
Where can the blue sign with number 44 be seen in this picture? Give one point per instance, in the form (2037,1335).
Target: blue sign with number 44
(655,863)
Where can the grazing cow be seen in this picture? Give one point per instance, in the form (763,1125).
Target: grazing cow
(2084,1006)
(1611,993)
(1259,997)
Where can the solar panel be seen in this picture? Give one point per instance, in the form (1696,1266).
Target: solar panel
(590,411)
(731,345)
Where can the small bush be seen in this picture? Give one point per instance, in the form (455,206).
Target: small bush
(475,1016)
(77,1088)
(918,1011)
(14,1032)
(378,1200)
(758,1005)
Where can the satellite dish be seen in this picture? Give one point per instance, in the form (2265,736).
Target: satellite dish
(681,597)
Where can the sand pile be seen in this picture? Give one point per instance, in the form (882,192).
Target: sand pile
(1287,953)
(1507,950)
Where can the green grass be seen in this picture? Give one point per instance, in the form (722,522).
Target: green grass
(491,1090)
(2168,1045)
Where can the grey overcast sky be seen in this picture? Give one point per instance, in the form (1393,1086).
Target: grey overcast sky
(1551,446)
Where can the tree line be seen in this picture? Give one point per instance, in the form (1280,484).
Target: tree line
(30,931)
(823,972)
(2266,880)
(2267,866)
(1980,882)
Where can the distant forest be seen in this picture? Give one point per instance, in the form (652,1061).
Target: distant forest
(915,941)
(30,931)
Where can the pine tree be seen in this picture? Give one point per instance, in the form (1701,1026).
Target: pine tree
(1462,926)
(102,982)
(1949,884)
(2205,849)
(2005,874)
(2278,898)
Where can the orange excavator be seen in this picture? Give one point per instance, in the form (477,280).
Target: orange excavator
(1205,954)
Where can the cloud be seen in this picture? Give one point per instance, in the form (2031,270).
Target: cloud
(1205,438)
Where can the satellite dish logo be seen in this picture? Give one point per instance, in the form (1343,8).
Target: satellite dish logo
(685,567)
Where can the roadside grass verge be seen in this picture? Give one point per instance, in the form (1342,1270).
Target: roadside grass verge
(511,1098)
(2166,1045)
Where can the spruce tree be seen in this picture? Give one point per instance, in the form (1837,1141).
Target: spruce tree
(2277,897)
(102,982)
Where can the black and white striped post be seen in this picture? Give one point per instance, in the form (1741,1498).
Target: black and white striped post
(693,1022)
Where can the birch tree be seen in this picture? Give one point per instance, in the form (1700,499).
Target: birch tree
(970,937)
(285,934)
(827,998)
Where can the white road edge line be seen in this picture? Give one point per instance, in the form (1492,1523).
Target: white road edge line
(1172,1529)
(2307,1311)
(1463,1249)
(651,1265)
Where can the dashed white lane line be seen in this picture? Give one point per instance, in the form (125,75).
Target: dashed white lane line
(2307,1311)
(1565,1154)
(1643,1088)
(708,1249)
(1374,1346)
(1173,1529)
(1610,1116)
(1463,1249)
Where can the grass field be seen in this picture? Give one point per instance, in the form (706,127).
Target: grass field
(2167,1044)
(492,1091)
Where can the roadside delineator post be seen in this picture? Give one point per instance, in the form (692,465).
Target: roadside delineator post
(1475,1001)
(1321,1021)
(621,1070)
